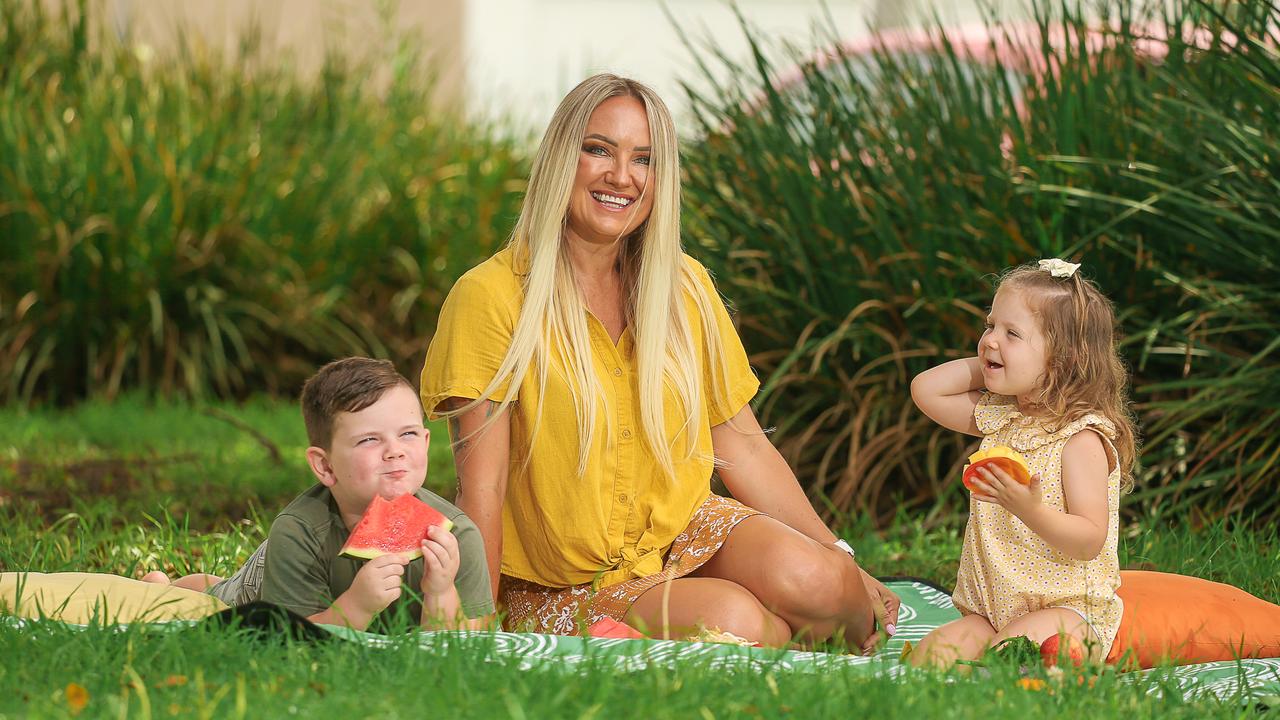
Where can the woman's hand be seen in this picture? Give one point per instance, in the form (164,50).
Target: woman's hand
(885,604)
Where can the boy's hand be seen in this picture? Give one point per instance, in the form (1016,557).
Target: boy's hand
(377,584)
(994,485)
(440,560)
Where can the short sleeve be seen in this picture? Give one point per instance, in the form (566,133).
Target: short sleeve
(472,337)
(295,575)
(728,381)
(472,581)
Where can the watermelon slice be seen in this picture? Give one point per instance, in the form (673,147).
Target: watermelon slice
(393,526)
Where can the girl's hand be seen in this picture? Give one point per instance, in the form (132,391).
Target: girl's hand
(994,485)
(440,561)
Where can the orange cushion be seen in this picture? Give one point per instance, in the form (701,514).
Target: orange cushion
(1184,620)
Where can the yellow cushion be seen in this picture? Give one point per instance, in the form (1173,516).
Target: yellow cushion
(98,597)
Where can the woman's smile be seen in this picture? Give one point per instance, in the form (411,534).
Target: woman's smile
(610,201)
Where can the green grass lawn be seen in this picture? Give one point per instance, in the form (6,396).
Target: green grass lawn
(133,486)
(195,673)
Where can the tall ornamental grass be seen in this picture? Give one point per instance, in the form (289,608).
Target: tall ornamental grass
(857,208)
(207,225)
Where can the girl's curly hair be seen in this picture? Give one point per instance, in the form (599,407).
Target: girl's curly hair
(1084,372)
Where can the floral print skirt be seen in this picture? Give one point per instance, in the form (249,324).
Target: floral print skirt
(565,611)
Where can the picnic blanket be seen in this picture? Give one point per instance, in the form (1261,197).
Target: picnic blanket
(924,607)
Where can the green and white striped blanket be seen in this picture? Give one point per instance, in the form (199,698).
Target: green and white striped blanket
(924,608)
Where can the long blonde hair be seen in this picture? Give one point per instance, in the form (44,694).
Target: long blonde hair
(654,274)
(1084,372)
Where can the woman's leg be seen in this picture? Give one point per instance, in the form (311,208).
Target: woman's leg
(963,639)
(818,591)
(681,607)
(1041,624)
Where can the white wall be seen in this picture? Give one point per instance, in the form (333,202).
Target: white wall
(515,59)
(522,56)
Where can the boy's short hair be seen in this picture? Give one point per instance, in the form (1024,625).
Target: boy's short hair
(347,385)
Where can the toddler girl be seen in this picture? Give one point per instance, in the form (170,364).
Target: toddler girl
(1038,559)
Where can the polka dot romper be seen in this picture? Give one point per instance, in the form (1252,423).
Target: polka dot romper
(1006,570)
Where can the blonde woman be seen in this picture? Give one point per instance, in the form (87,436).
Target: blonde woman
(593,381)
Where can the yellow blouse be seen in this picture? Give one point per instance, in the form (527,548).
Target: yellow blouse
(618,521)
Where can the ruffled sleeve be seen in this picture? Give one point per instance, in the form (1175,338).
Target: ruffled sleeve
(1090,421)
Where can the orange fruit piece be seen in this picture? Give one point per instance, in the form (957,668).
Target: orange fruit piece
(1005,458)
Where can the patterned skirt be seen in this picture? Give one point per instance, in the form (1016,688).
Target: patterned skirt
(564,611)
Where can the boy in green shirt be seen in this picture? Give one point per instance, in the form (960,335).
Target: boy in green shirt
(365,425)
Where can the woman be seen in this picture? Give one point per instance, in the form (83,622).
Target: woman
(593,380)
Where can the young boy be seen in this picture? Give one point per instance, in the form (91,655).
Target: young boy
(364,422)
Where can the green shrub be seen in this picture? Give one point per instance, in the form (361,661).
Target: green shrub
(856,215)
(207,225)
